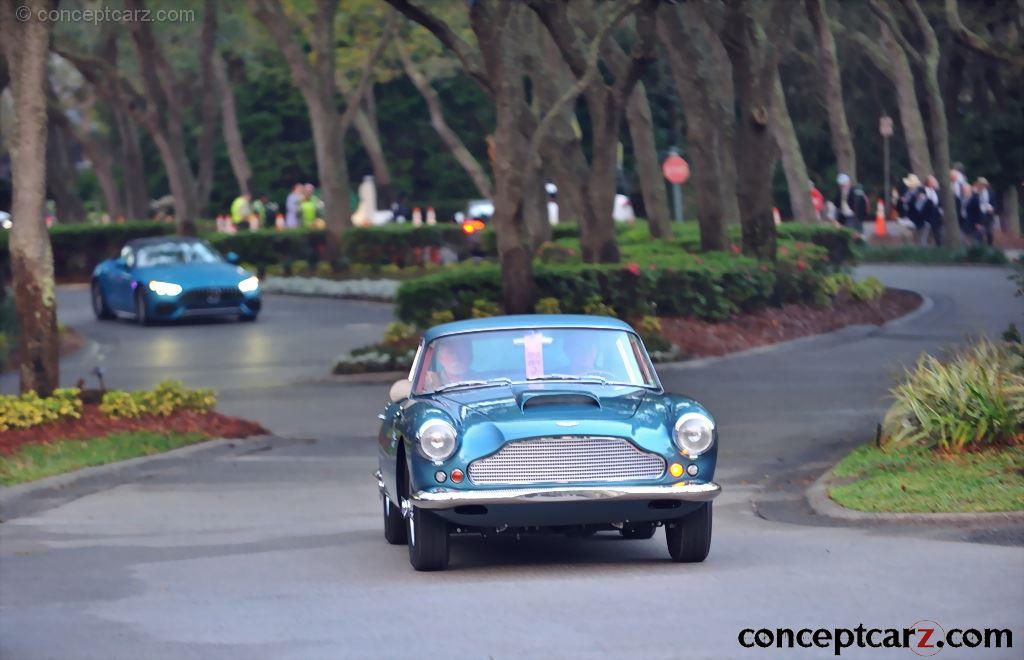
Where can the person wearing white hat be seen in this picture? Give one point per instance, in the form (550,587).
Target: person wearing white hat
(851,204)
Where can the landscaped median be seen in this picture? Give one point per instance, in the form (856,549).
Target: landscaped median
(72,429)
(952,442)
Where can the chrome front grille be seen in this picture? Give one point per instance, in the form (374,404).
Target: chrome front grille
(566,459)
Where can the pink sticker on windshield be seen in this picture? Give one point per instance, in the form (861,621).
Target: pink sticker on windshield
(533,353)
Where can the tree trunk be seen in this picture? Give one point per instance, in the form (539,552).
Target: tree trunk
(648,165)
(97,150)
(25,45)
(888,56)
(208,105)
(448,136)
(132,169)
(598,243)
(702,73)
(797,180)
(229,123)
(62,175)
(332,169)
(753,58)
(1009,211)
(832,89)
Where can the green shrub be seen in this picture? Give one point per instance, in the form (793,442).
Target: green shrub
(441,316)
(708,286)
(596,307)
(401,244)
(29,409)
(484,308)
(548,305)
(264,247)
(840,244)
(867,289)
(274,270)
(398,332)
(974,399)
(324,269)
(163,400)
(77,248)
(299,268)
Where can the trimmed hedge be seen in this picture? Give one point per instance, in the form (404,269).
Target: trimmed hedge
(264,247)
(403,244)
(78,248)
(924,254)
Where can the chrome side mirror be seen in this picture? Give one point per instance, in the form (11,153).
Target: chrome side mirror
(400,390)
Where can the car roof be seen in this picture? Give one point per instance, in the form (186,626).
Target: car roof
(526,321)
(136,243)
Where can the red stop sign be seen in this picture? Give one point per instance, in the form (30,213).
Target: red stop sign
(675,169)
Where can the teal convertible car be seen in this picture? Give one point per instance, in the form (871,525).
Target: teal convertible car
(542,423)
(166,278)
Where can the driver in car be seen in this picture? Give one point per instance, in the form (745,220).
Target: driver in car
(451,364)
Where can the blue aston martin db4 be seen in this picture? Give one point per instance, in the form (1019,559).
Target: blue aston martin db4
(542,423)
(169,278)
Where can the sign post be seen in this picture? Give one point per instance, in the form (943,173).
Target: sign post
(676,171)
(885,128)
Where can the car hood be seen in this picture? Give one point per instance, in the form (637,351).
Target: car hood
(191,275)
(539,404)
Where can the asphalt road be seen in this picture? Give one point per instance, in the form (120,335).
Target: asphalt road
(280,553)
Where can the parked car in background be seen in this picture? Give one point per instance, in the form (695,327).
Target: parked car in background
(542,423)
(167,278)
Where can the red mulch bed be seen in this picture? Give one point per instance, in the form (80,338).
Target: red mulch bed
(94,424)
(698,338)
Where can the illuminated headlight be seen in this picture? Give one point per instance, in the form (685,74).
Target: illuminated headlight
(437,439)
(249,284)
(694,434)
(164,288)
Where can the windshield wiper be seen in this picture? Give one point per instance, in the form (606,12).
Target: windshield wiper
(474,383)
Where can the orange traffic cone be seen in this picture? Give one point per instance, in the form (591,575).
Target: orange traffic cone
(880,229)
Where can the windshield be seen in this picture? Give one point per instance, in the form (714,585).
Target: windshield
(176,252)
(476,359)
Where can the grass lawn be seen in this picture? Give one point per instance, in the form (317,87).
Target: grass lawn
(916,480)
(35,461)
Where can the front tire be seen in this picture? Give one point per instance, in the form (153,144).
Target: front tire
(428,536)
(689,539)
(141,310)
(99,303)
(394,524)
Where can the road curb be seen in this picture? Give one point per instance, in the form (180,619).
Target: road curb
(25,499)
(818,499)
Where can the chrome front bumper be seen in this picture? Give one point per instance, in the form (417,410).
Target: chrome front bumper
(446,499)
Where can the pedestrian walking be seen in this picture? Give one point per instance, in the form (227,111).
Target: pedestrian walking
(308,207)
(979,211)
(291,207)
(913,205)
(933,213)
(961,190)
(851,204)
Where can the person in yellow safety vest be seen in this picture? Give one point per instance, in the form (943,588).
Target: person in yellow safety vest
(308,207)
(241,209)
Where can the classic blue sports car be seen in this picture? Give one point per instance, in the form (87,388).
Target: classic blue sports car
(542,423)
(169,278)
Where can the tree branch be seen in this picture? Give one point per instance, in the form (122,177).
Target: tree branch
(354,97)
(593,56)
(884,14)
(466,55)
(975,41)
(642,53)
(271,16)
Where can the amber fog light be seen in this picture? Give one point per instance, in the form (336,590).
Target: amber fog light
(457,476)
(676,470)
(440,476)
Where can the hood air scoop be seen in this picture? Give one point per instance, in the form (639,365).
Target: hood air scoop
(544,399)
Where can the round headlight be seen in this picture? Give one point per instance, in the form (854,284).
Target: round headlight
(694,434)
(437,439)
